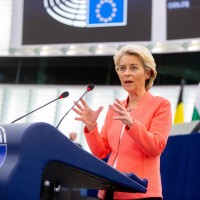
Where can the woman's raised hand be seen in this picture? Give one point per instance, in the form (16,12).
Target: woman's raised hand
(86,114)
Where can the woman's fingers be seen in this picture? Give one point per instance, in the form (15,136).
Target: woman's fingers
(84,103)
(76,111)
(100,109)
(78,106)
(119,105)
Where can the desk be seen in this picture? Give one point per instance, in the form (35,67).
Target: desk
(180,167)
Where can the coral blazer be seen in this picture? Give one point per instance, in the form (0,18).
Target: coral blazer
(139,149)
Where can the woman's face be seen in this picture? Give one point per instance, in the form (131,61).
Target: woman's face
(132,74)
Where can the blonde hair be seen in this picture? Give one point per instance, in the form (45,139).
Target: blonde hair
(144,55)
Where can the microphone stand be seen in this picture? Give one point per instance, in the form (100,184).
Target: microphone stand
(90,87)
(70,109)
(33,111)
(63,95)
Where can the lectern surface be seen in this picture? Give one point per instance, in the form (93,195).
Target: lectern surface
(38,151)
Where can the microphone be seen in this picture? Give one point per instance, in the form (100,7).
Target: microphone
(90,87)
(63,95)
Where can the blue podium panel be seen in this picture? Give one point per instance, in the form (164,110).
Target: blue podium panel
(180,166)
(38,151)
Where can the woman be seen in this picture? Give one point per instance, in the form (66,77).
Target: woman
(136,130)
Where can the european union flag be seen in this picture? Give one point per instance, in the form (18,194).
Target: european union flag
(107,13)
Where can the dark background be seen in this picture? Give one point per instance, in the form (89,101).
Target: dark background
(40,28)
(99,70)
(184,23)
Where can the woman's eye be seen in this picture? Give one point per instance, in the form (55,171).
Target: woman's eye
(123,68)
(133,68)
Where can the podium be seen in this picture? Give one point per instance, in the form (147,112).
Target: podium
(38,151)
(180,166)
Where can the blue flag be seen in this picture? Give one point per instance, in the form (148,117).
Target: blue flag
(107,13)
